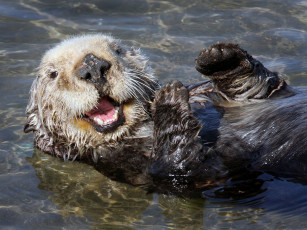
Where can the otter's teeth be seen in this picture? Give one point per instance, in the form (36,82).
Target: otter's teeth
(101,122)
(98,121)
(115,116)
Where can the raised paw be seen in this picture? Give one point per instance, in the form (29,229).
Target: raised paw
(170,98)
(175,131)
(236,74)
(221,59)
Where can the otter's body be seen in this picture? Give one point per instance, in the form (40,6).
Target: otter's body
(97,101)
(245,119)
(269,135)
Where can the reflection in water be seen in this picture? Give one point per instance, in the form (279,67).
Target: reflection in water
(74,196)
(79,190)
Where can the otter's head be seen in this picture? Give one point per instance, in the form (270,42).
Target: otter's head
(90,91)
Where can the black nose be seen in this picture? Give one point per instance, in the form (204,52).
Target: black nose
(93,69)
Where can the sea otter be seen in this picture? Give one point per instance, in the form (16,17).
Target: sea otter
(97,101)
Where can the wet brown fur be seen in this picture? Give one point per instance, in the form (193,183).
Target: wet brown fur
(245,118)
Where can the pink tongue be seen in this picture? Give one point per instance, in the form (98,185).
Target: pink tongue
(104,111)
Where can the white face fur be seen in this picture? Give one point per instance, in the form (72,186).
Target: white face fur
(59,98)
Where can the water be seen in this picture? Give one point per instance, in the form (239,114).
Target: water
(41,192)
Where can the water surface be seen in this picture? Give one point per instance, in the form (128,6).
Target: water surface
(41,192)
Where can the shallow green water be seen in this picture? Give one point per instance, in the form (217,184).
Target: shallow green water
(41,192)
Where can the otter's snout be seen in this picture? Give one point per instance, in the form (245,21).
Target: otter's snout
(93,69)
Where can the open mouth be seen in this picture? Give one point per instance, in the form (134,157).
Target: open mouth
(106,116)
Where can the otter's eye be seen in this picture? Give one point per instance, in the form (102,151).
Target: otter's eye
(118,50)
(53,74)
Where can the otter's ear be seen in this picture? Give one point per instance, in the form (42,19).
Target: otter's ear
(33,121)
(135,55)
(28,128)
(118,49)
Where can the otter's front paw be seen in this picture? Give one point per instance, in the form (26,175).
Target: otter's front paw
(221,59)
(169,100)
(175,131)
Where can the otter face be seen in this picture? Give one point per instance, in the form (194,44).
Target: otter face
(90,91)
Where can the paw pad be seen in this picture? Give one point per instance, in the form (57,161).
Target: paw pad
(219,59)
